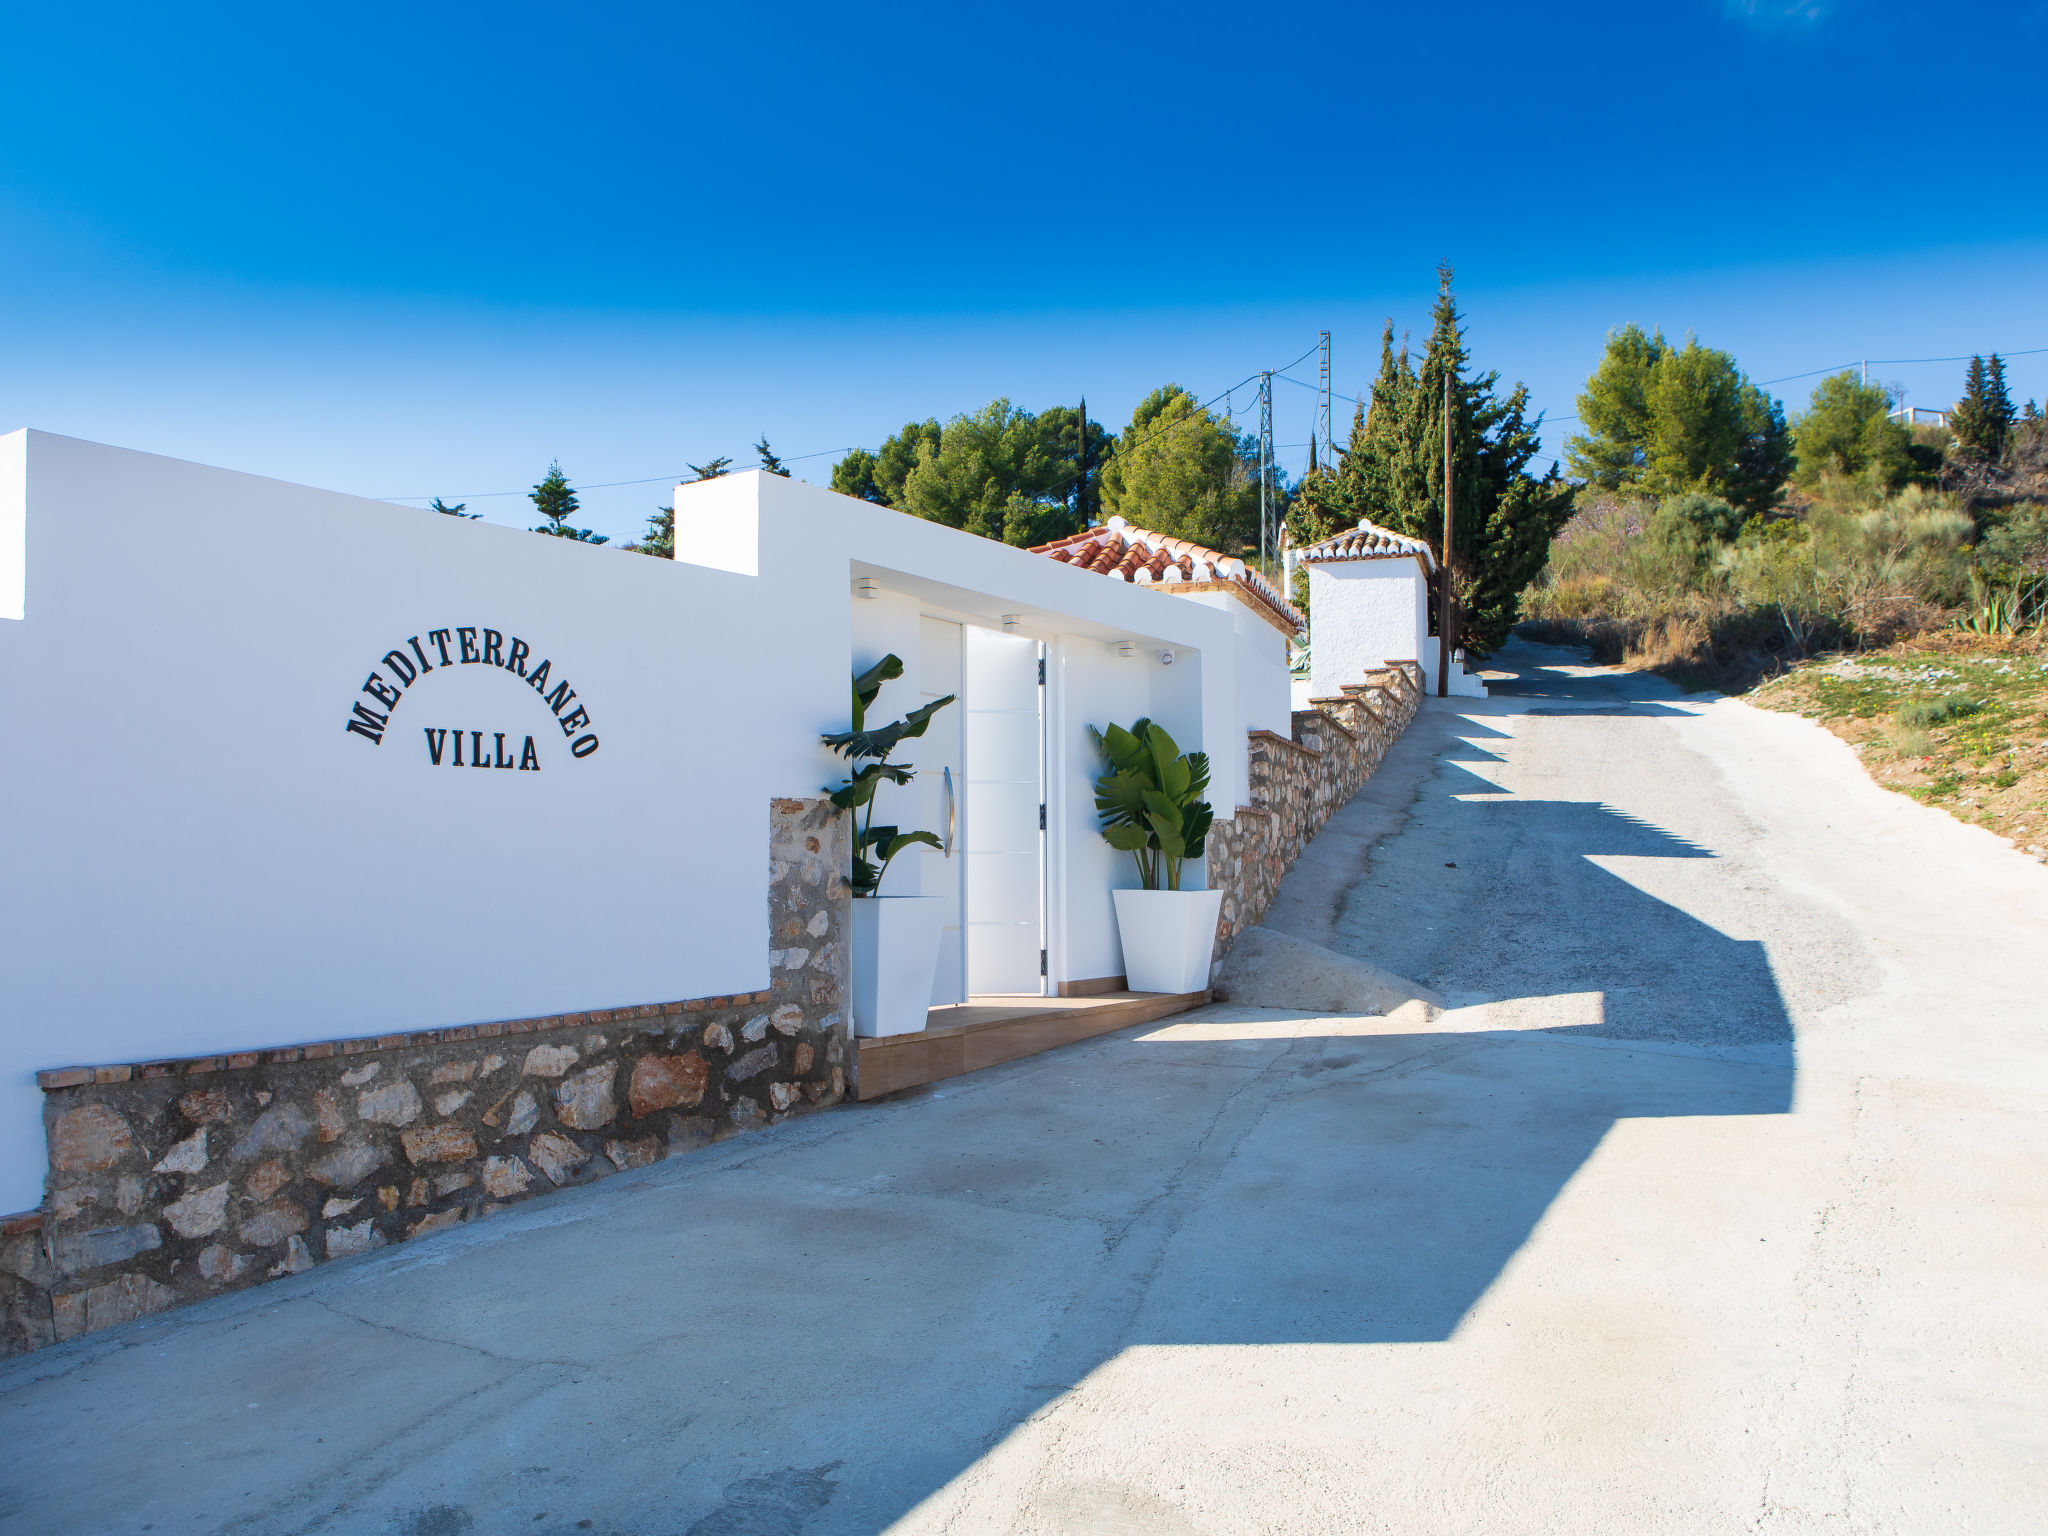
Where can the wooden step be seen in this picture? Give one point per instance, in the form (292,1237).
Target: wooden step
(986,1031)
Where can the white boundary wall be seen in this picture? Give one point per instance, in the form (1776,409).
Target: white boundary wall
(1364,614)
(203,858)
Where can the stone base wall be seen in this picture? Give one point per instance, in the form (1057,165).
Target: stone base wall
(1298,784)
(175,1180)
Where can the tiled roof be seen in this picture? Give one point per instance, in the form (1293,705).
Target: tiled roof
(1146,559)
(1368,541)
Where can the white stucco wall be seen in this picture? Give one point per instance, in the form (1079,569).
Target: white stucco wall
(1261,664)
(1363,614)
(1228,674)
(203,858)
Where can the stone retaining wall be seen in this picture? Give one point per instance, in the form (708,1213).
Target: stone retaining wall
(175,1180)
(1298,784)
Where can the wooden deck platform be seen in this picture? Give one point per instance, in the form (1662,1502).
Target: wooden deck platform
(985,1031)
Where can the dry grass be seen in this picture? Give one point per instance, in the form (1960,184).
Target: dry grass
(1956,721)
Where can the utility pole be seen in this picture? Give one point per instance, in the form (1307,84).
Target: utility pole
(1446,601)
(1322,432)
(1081,462)
(1265,470)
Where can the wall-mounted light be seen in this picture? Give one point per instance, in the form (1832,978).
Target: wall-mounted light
(1166,658)
(1125,648)
(866,587)
(1010,622)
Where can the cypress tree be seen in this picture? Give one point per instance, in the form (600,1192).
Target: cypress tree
(1393,469)
(1984,417)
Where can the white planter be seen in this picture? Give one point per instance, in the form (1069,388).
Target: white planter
(1168,938)
(895,953)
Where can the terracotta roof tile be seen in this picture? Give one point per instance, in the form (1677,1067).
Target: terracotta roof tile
(1368,541)
(1145,559)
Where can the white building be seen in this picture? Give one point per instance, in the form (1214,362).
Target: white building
(1369,605)
(248,719)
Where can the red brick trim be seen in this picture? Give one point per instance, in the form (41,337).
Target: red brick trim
(192,1066)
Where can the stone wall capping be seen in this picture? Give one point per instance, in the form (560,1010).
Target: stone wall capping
(1279,740)
(650,1015)
(21,1224)
(1307,716)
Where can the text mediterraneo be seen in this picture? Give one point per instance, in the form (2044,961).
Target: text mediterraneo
(458,746)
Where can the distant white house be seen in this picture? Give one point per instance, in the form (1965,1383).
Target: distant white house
(1369,606)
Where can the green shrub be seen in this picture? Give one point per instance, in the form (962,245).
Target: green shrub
(1709,517)
(1924,714)
(1911,741)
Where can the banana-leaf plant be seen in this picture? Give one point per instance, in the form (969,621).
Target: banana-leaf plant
(875,847)
(1150,802)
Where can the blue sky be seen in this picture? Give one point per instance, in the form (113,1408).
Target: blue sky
(403,253)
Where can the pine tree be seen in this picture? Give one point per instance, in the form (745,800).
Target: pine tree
(438,505)
(710,471)
(1847,431)
(1393,471)
(558,503)
(1614,410)
(1181,470)
(854,476)
(1670,421)
(660,538)
(769,461)
(899,455)
(1984,417)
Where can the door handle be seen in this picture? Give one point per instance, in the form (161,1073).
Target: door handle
(951,810)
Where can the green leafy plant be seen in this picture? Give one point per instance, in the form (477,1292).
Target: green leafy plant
(874,848)
(2011,608)
(1150,802)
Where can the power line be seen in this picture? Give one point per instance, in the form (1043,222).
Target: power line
(607,485)
(1281,373)
(1899,362)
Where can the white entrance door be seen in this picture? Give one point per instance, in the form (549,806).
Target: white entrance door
(941,782)
(1004,794)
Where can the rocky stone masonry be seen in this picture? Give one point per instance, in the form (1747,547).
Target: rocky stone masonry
(175,1180)
(1298,784)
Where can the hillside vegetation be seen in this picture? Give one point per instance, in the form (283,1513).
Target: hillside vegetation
(1891,583)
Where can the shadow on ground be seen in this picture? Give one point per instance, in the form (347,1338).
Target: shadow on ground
(816,1328)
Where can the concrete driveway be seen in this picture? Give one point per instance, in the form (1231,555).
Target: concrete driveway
(1715,1202)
